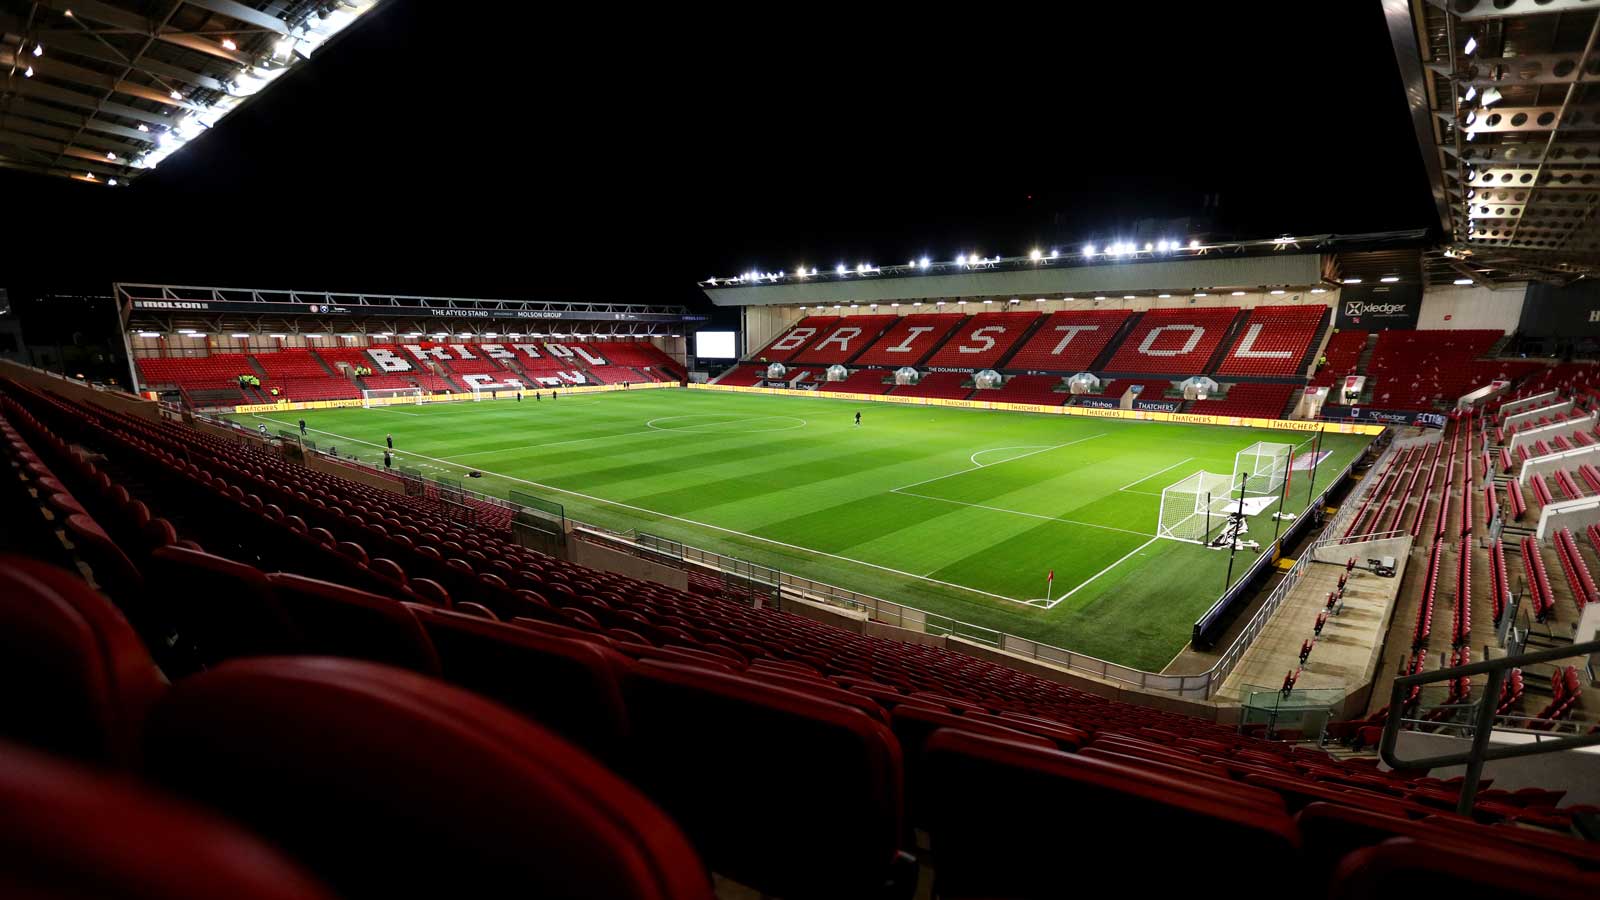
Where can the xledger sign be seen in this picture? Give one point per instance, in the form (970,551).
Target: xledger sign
(1378,307)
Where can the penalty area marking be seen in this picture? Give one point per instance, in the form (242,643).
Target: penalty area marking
(725,419)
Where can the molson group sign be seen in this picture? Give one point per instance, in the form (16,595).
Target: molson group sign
(1091,412)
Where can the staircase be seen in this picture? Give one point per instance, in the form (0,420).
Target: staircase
(1101,361)
(1314,352)
(1221,353)
(1027,336)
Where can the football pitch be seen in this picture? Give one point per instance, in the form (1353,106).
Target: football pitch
(955,511)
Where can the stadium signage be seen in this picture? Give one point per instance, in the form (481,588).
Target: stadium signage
(439,312)
(1385,416)
(1097,402)
(1167,406)
(1379,307)
(1135,414)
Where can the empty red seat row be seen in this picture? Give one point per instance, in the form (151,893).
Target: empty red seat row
(942,385)
(1423,627)
(1069,341)
(1039,390)
(863,381)
(1274,340)
(910,339)
(982,341)
(1576,570)
(1343,352)
(843,340)
(1176,341)
(1539,592)
(1248,400)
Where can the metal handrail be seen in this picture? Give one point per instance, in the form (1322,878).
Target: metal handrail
(1483,722)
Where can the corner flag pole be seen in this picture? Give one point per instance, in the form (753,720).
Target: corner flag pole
(1049,581)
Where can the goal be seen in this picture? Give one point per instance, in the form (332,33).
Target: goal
(1262,467)
(1196,508)
(392,397)
(494,391)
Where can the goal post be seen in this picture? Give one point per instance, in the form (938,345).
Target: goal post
(1262,467)
(392,397)
(1196,508)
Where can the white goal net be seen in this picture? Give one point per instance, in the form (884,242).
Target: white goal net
(392,396)
(1262,467)
(1196,508)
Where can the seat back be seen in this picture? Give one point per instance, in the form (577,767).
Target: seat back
(386,783)
(1406,868)
(571,687)
(224,609)
(78,679)
(1004,809)
(760,776)
(339,621)
(74,834)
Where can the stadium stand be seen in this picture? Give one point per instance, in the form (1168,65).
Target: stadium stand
(1070,341)
(982,341)
(213,377)
(1344,354)
(863,381)
(799,336)
(694,699)
(1175,341)
(841,342)
(940,385)
(643,356)
(910,340)
(1418,369)
(1038,389)
(1254,400)
(1275,340)
(748,375)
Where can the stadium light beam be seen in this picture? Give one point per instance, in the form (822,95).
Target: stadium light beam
(1462,281)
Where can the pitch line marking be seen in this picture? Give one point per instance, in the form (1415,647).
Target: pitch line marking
(974,457)
(1085,583)
(1154,474)
(731,417)
(1018,512)
(1002,462)
(755,537)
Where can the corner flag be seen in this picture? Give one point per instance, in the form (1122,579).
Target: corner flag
(1049,580)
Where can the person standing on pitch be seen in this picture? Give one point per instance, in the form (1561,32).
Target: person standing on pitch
(538,396)
(302,427)
(519,396)
(858,418)
(390,439)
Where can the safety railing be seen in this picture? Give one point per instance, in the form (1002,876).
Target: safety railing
(1483,719)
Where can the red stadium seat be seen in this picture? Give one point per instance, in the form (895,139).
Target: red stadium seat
(346,764)
(983,340)
(75,834)
(1174,340)
(1070,341)
(82,679)
(909,340)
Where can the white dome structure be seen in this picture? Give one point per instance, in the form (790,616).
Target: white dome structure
(838,373)
(776,371)
(906,375)
(987,379)
(1084,383)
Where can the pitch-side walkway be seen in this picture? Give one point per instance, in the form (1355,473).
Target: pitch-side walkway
(1348,650)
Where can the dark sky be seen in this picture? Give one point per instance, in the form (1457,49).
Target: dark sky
(623,155)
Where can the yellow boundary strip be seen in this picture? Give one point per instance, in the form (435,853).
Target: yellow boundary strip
(411,400)
(1139,415)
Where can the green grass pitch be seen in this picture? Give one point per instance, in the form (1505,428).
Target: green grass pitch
(955,511)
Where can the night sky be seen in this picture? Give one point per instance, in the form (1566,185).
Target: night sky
(615,154)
